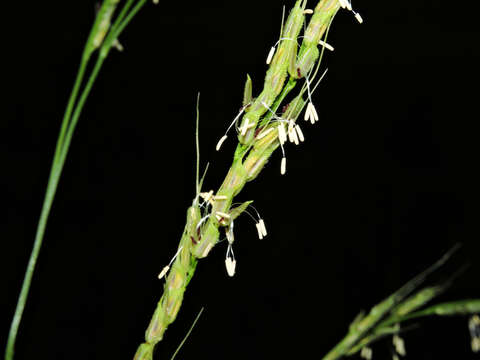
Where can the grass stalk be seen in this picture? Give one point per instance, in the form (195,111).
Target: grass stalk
(100,28)
(258,139)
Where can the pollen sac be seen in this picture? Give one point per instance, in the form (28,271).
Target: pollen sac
(474,327)
(399,345)
(230,265)
(366,353)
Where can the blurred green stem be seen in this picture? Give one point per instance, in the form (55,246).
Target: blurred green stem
(69,122)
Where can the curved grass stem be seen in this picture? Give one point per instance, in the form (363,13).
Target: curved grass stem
(69,122)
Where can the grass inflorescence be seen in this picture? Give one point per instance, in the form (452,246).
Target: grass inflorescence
(267,122)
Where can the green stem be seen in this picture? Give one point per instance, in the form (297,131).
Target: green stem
(78,111)
(53,179)
(67,129)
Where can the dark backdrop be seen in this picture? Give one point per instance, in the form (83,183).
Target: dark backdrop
(385,183)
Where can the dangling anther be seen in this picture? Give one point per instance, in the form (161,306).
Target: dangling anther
(163,272)
(399,345)
(273,48)
(300,133)
(230,262)
(292,136)
(270,55)
(283,166)
(259,231)
(262,227)
(359,18)
(366,353)
(308,11)
(220,142)
(311,113)
(282,136)
(474,328)
(224,137)
(326,45)
(166,268)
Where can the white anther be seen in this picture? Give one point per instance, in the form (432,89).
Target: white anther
(300,133)
(311,113)
(291,125)
(399,345)
(220,142)
(259,231)
(166,268)
(224,215)
(230,264)
(263,228)
(473,323)
(264,133)
(366,353)
(207,249)
(359,18)
(234,122)
(308,111)
(220,197)
(308,11)
(270,55)
(326,45)
(290,136)
(293,134)
(163,272)
(282,136)
(475,344)
(245,127)
(207,196)
(283,166)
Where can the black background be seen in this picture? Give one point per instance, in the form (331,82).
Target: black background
(385,183)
